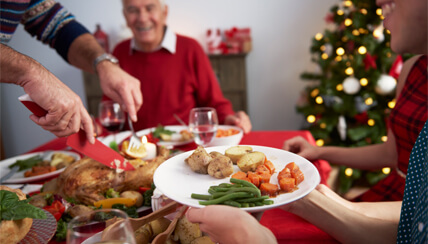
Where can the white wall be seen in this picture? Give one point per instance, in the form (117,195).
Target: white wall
(281,33)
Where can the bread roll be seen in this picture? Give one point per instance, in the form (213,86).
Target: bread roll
(13,231)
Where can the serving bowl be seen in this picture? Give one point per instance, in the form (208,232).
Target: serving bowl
(231,140)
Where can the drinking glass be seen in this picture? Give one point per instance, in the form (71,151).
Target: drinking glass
(111,117)
(88,228)
(203,123)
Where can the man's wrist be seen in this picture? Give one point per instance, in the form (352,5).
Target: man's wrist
(105,57)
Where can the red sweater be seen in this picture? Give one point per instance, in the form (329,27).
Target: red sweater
(173,83)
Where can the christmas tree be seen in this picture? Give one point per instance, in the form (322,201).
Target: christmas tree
(351,95)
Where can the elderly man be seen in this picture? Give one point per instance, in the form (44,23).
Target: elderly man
(174,72)
(54,25)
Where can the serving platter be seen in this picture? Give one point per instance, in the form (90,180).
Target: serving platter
(19,177)
(177,181)
(41,231)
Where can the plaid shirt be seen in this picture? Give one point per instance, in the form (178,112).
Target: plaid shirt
(406,121)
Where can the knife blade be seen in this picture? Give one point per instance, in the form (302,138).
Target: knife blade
(8,175)
(98,151)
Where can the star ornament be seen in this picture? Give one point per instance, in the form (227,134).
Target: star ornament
(369,61)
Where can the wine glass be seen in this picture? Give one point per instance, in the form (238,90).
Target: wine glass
(203,123)
(111,117)
(88,228)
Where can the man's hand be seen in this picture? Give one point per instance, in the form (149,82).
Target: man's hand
(241,120)
(120,87)
(65,111)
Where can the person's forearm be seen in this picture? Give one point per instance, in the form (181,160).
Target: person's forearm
(343,224)
(12,66)
(83,51)
(388,211)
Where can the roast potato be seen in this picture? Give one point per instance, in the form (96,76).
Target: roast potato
(250,161)
(199,160)
(220,167)
(186,231)
(146,233)
(133,195)
(236,152)
(202,240)
(78,210)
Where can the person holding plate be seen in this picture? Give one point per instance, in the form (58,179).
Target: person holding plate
(174,71)
(346,221)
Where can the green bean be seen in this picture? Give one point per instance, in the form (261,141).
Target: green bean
(268,202)
(232,203)
(252,204)
(245,205)
(218,194)
(232,196)
(221,189)
(255,192)
(227,185)
(211,191)
(254,199)
(259,203)
(243,182)
(201,196)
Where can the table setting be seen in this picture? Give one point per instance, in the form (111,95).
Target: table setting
(173,179)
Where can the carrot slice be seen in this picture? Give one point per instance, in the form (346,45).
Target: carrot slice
(287,184)
(270,166)
(264,177)
(269,189)
(240,175)
(254,178)
(292,166)
(285,173)
(298,175)
(262,169)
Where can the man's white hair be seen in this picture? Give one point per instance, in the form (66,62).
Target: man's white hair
(162,3)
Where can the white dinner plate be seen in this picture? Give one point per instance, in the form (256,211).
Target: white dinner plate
(176,140)
(177,181)
(19,177)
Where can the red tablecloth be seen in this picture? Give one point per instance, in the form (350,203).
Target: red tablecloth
(287,227)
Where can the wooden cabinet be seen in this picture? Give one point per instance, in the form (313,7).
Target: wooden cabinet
(230,71)
(93,92)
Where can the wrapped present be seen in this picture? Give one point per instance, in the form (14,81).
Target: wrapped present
(234,41)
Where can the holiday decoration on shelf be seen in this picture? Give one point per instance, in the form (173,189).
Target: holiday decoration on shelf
(102,38)
(353,93)
(232,41)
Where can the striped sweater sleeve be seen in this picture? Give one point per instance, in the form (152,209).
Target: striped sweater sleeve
(52,24)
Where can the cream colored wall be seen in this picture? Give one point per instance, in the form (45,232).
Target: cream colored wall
(281,32)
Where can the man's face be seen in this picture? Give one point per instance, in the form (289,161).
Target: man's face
(146,19)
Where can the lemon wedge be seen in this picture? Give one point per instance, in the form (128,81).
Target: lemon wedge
(139,152)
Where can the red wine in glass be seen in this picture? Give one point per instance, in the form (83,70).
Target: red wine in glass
(111,116)
(113,126)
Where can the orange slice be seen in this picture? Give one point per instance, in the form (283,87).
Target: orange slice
(139,152)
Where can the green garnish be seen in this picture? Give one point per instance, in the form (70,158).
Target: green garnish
(27,163)
(161,130)
(113,145)
(11,208)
